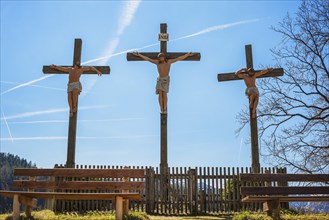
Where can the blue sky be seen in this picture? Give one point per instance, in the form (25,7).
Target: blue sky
(118,120)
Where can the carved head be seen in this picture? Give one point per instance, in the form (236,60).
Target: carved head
(162,57)
(77,64)
(251,71)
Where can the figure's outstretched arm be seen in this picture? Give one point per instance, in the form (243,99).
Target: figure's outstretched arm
(239,73)
(60,68)
(263,72)
(145,57)
(181,58)
(91,68)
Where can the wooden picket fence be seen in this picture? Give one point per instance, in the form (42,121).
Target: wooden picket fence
(183,190)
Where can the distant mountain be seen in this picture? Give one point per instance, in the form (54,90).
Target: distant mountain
(7,164)
(312,207)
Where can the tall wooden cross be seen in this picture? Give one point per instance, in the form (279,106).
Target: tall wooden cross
(253,120)
(163,38)
(70,162)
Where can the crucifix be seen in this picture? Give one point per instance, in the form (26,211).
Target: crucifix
(252,93)
(153,57)
(70,162)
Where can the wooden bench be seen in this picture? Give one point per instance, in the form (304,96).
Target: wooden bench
(269,189)
(62,180)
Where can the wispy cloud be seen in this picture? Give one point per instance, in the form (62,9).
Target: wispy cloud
(82,138)
(50,111)
(80,121)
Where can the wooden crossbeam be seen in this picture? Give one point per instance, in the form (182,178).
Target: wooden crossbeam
(231,76)
(78,185)
(72,196)
(195,57)
(284,190)
(49,70)
(283,177)
(286,198)
(80,173)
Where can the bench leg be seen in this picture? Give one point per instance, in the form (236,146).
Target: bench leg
(118,207)
(272,208)
(16,207)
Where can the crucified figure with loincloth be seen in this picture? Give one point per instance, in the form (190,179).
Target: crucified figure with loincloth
(163,65)
(74,86)
(251,90)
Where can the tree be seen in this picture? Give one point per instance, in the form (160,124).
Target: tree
(7,164)
(293,114)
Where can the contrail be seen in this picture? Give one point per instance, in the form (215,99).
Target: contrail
(82,138)
(44,87)
(207,30)
(11,137)
(26,84)
(51,111)
(215,28)
(119,53)
(80,121)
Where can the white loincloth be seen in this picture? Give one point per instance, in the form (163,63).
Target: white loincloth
(74,86)
(162,84)
(252,91)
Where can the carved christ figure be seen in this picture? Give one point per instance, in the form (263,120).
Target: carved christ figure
(163,65)
(251,91)
(74,86)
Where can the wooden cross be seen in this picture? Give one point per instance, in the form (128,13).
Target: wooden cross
(163,38)
(70,163)
(253,120)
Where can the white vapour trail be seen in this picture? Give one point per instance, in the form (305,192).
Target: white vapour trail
(204,31)
(11,137)
(44,87)
(216,28)
(107,57)
(26,84)
(50,111)
(80,121)
(127,16)
(82,138)
(119,53)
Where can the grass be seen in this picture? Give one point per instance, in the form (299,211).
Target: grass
(50,215)
(285,215)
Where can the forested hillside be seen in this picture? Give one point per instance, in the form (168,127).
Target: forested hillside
(7,164)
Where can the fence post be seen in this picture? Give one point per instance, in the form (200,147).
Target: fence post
(149,190)
(192,189)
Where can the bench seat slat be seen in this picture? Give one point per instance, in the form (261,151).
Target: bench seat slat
(285,190)
(286,198)
(72,196)
(283,177)
(79,185)
(80,173)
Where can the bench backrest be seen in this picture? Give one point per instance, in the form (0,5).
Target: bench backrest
(277,184)
(80,179)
